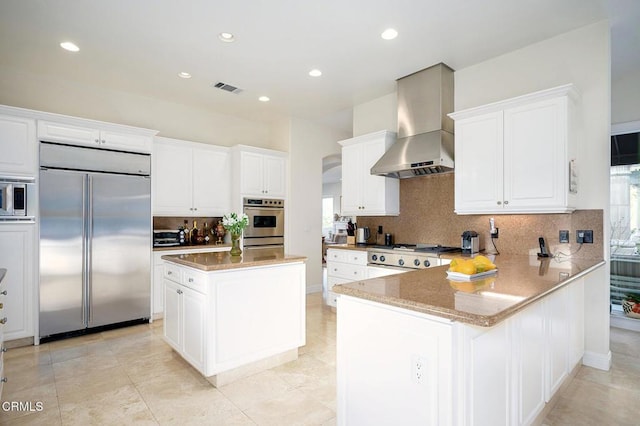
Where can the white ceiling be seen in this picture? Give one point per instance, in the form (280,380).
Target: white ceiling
(139,46)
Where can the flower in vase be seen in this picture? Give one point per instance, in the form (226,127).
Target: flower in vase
(235,223)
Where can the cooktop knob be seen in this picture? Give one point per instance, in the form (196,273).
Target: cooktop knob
(374,257)
(401,262)
(427,263)
(382,259)
(416,262)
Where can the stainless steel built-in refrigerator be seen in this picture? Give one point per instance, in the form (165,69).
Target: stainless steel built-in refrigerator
(95,238)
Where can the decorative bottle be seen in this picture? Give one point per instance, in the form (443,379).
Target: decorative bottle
(194,233)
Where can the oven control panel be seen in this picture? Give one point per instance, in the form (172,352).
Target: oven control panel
(412,260)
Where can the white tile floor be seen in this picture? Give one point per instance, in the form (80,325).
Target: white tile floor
(130,376)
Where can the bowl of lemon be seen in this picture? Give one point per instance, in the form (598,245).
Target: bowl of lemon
(466,269)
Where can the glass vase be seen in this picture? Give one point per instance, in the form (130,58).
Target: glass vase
(235,245)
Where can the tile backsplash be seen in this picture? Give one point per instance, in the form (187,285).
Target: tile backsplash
(427,216)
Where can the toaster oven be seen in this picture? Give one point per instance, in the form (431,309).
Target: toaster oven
(166,237)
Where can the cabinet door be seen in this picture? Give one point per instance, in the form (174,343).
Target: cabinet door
(251,174)
(352,172)
(125,141)
(486,357)
(56,132)
(172,185)
(18,146)
(193,310)
(557,334)
(211,182)
(173,314)
(534,156)
(528,335)
(274,176)
(17,246)
(373,195)
(478,163)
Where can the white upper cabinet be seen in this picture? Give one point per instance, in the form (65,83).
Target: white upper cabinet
(78,134)
(517,156)
(262,172)
(190,179)
(364,194)
(18,154)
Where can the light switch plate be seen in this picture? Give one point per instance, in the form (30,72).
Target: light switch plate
(564,236)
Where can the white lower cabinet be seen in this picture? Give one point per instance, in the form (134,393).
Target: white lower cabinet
(343,266)
(184,321)
(221,320)
(157,277)
(17,248)
(528,378)
(396,366)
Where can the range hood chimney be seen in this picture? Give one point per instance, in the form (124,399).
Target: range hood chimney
(425,132)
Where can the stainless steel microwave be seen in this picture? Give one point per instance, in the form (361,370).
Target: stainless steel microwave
(14,193)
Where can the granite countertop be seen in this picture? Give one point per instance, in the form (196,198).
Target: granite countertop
(222,260)
(214,246)
(519,281)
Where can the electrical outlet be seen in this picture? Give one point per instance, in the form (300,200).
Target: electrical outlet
(584,236)
(418,369)
(564,236)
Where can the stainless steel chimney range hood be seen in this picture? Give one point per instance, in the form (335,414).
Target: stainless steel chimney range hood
(425,132)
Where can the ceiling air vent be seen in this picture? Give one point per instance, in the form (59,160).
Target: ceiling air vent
(226,87)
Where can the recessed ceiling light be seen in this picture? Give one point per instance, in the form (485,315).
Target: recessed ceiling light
(226,37)
(389,34)
(315,73)
(67,45)
(264,99)
(183,74)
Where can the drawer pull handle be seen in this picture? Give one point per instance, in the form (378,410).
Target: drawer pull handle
(4,292)
(3,320)
(190,280)
(179,291)
(169,273)
(4,349)
(4,380)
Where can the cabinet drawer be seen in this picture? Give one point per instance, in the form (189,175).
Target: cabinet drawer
(194,280)
(357,257)
(173,272)
(332,299)
(337,255)
(346,271)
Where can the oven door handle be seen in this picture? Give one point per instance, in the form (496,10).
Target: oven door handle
(263,208)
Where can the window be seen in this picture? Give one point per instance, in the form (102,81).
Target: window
(327,217)
(625,216)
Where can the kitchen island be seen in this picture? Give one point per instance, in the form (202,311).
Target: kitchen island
(418,348)
(232,316)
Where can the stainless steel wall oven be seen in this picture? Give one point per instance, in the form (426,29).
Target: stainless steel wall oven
(266,223)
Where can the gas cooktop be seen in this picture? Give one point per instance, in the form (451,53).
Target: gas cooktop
(426,248)
(415,256)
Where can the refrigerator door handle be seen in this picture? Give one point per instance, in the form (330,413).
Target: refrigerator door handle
(89,239)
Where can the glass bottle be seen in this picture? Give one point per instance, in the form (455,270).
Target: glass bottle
(194,233)
(187,233)
(205,231)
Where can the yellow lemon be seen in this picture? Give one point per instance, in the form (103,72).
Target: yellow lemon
(467,267)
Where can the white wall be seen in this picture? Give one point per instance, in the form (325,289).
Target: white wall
(625,99)
(39,92)
(309,144)
(375,115)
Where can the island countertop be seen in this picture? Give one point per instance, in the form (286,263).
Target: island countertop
(519,281)
(222,260)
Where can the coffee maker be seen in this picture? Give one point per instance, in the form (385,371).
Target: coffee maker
(470,242)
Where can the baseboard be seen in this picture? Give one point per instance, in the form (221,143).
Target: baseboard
(314,289)
(596,360)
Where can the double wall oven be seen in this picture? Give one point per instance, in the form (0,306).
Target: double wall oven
(266,223)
